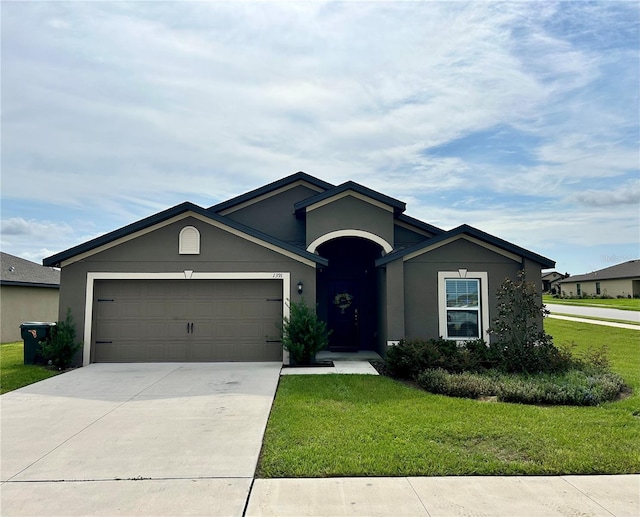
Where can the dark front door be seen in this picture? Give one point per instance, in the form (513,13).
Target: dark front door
(344,303)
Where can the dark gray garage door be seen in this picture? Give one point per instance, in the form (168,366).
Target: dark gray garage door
(186,320)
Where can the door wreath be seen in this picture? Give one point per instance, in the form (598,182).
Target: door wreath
(343,301)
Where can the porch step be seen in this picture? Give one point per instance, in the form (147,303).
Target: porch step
(365,355)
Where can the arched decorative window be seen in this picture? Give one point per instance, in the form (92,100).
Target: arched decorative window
(189,241)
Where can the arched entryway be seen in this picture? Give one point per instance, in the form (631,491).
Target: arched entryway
(348,294)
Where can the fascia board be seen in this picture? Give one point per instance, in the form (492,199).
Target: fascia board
(444,242)
(267,195)
(411,223)
(348,193)
(351,188)
(414,228)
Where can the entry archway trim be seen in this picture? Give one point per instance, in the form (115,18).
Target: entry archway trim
(313,247)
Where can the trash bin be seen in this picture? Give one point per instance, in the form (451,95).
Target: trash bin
(32,333)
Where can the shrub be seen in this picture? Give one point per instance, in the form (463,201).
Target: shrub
(303,334)
(467,385)
(410,357)
(520,344)
(575,387)
(60,346)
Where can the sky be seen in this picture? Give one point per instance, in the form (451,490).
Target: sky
(519,118)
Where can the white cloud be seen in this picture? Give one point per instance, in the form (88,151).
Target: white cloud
(628,194)
(123,109)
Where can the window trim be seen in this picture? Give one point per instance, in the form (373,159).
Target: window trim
(191,248)
(463,274)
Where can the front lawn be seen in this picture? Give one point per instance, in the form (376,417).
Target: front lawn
(353,425)
(14,373)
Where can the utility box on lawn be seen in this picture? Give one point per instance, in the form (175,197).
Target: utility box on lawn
(32,333)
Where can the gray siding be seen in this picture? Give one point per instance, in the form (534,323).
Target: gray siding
(22,303)
(421,281)
(274,215)
(403,237)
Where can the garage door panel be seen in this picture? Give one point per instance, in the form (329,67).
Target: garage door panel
(212,320)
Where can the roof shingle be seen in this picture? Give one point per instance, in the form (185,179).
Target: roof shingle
(18,271)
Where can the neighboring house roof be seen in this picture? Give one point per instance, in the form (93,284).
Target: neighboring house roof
(351,186)
(21,272)
(56,260)
(472,232)
(268,189)
(630,269)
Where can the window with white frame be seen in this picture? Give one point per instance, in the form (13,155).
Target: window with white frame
(189,241)
(463,304)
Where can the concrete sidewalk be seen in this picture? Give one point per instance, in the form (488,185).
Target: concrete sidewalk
(630,326)
(517,496)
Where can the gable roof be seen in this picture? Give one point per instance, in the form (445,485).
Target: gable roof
(298,177)
(351,186)
(421,225)
(96,244)
(629,269)
(21,272)
(470,231)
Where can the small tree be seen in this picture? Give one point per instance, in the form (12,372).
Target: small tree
(303,334)
(60,346)
(522,344)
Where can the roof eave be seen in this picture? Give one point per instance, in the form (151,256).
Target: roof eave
(56,260)
(473,232)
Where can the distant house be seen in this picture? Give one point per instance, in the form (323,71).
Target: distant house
(28,292)
(619,280)
(551,281)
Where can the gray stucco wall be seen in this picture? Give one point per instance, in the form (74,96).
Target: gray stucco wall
(403,237)
(349,213)
(275,216)
(20,304)
(421,281)
(157,252)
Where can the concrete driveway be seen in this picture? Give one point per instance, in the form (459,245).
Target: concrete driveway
(136,439)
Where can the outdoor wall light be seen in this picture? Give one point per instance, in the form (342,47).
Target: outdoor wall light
(300,286)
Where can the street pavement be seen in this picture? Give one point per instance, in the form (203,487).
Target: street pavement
(594,312)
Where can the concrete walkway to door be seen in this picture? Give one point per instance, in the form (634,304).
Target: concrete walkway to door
(143,439)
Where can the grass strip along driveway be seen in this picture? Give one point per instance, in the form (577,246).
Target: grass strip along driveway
(14,373)
(353,425)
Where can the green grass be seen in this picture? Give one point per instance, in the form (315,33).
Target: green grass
(354,425)
(13,373)
(625,304)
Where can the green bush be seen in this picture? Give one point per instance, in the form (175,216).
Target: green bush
(519,342)
(576,387)
(465,384)
(60,346)
(410,357)
(303,334)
